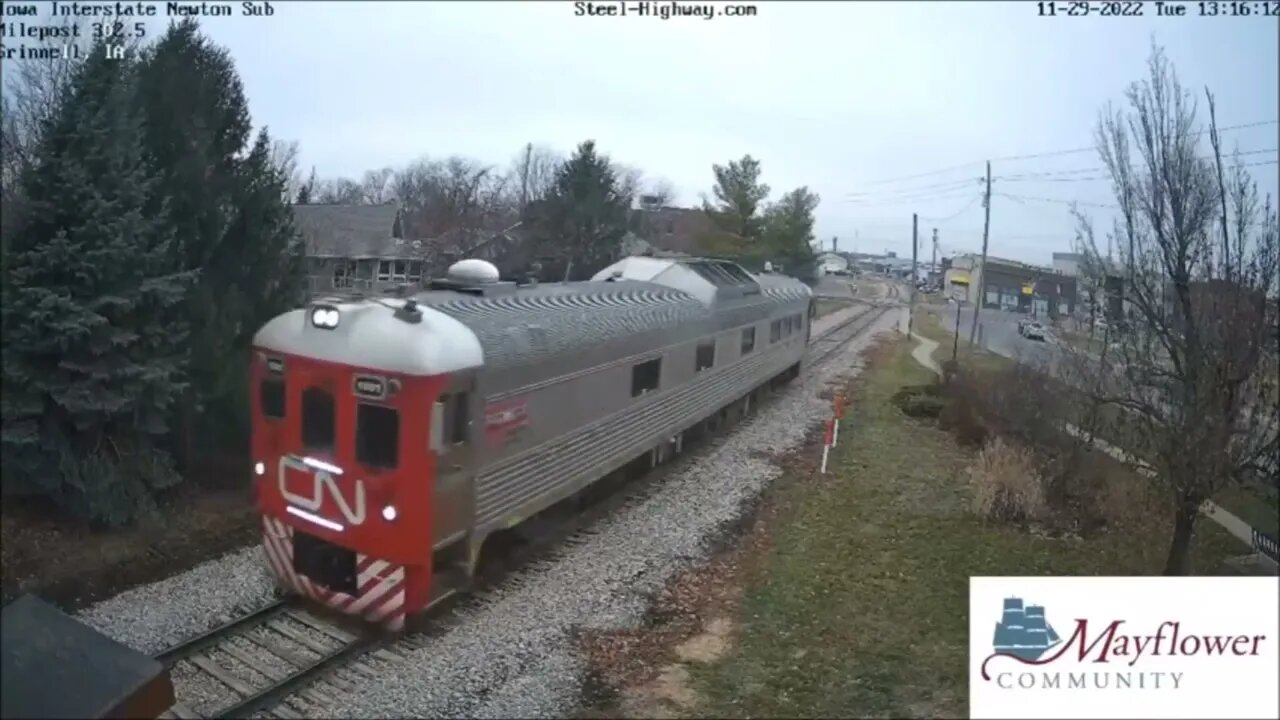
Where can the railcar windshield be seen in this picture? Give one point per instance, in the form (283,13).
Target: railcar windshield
(377,436)
(318,419)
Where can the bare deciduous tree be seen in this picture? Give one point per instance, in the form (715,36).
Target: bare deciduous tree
(659,193)
(284,158)
(1187,386)
(457,196)
(376,185)
(342,191)
(532,174)
(630,181)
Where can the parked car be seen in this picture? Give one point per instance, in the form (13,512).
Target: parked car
(1033,331)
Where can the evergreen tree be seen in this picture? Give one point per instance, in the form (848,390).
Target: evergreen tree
(584,217)
(307,193)
(266,277)
(735,214)
(788,233)
(198,130)
(93,329)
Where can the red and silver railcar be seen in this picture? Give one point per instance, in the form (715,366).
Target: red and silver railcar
(392,436)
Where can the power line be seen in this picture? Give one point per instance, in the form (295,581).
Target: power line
(1054,153)
(928,197)
(1046,177)
(950,184)
(1093,148)
(955,214)
(926,174)
(1055,200)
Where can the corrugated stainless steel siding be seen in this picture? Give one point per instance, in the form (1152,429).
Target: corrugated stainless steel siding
(603,446)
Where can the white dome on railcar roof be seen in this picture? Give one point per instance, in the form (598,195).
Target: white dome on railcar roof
(473,270)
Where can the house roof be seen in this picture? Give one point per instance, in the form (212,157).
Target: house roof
(350,231)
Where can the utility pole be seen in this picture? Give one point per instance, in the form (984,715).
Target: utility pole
(986,229)
(915,247)
(524,177)
(933,264)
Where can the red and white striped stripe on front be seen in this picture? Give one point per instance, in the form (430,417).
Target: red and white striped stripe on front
(381,594)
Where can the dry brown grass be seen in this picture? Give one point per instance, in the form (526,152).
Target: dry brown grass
(1006,483)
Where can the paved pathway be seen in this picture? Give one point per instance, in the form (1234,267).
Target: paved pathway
(923,353)
(1229,521)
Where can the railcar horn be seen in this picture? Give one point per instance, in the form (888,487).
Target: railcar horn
(409,312)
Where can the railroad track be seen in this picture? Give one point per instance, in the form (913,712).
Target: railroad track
(285,661)
(260,659)
(827,344)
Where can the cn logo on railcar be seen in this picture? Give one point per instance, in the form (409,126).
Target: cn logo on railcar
(322,484)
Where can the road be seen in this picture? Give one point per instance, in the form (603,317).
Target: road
(1000,336)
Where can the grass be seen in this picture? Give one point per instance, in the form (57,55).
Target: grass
(860,606)
(1250,504)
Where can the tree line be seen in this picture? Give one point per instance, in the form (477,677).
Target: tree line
(147,233)
(578,209)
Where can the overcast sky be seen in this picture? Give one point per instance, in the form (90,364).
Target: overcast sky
(833,95)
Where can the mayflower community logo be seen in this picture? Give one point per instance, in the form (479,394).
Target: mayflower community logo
(1023,631)
(1105,657)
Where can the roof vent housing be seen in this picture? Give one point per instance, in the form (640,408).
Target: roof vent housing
(472,271)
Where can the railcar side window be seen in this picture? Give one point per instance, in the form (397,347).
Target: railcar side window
(271,397)
(459,418)
(748,340)
(317,419)
(645,376)
(377,435)
(775,331)
(706,356)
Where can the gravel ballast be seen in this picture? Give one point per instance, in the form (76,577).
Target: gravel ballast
(150,618)
(513,655)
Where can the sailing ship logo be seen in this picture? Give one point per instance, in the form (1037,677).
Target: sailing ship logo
(1023,631)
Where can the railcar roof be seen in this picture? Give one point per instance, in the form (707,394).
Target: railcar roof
(502,324)
(505,293)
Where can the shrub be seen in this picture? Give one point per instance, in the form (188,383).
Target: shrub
(964,409)
(1006,483)
(919,400)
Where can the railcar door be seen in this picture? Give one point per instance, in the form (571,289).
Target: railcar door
(453,442)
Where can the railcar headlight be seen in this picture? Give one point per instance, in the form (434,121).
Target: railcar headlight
(324,317)
(259,469)
(389,513)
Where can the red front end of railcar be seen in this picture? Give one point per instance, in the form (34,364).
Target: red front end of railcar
(344,480)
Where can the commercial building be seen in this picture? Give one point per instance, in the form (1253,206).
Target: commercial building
(1010,285)
(1068,263)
